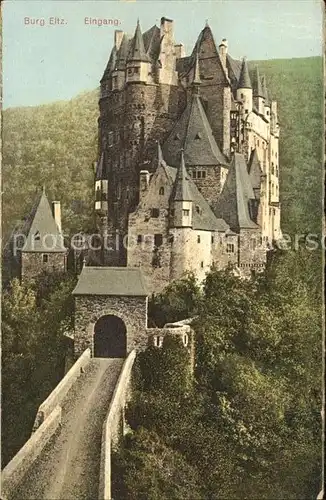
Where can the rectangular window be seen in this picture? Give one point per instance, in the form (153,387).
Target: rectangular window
(158,240)
(140,238)
(45,258)
(136,70)
(202,264)
(230,247)
(203,174)
(212,240)
(198,238)
(194,174)
(186,213)
(198,175)
(155,213)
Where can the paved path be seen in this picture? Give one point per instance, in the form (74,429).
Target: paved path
(68,468)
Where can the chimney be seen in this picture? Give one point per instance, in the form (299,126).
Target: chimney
(223,50)
(166,26)
(56,212)
(179,50)
(144,177)
(118,35)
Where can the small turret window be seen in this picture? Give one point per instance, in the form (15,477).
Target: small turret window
(197,209)
(161,191)
(202,264)
(198,238)
(186,212)
(230,248)
(158,240)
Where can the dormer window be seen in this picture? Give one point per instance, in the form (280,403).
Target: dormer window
(198,136)
(37,236)
(161,191)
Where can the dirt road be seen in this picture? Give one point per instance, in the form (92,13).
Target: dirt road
(68,468)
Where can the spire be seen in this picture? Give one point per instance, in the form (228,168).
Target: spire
(182,190)
(122,53)
(159,153)
(258,91)
(137,49)
(244,80)
(196,81)
(265,91)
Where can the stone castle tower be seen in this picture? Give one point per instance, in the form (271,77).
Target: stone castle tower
(188,155)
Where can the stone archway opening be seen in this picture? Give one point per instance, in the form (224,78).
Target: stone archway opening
(110,337)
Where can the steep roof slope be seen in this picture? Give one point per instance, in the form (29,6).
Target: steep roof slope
(111,281)
(41,231)
(233,204)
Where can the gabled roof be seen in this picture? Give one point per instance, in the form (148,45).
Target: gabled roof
(265,91)
(102,168)
(244,80)
(41,231)
(255,172)
(137,50)
(204,219)
(122,53)
(111,281)
(234,200)
(257,86)
(111,64)
(193,133)
(181,189)
(152,42)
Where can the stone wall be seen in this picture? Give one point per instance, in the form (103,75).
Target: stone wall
(252,251)
(19,466)
(88,309)
(112,425)
(32,263)
(60,391)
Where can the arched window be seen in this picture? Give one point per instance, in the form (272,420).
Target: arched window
(161,191)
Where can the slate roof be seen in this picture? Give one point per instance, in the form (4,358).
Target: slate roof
(102,167)
(234,67)
(255,172)
(137,49)
(111,64)
(264,89)
(181,189)
(234,200)
(205,220)
(111,281)
(244,80)
(257,86)
(152,42)
(123,52)
(193,133)
(41,231)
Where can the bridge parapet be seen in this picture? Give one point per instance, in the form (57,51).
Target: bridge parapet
(18,467)
(112,425)
(60,391)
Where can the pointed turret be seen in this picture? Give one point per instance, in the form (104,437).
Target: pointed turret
(110,65)
(257,87)
(137,50)
(255,173)
(244,80)
(244,91)
(181,197)
(137,60)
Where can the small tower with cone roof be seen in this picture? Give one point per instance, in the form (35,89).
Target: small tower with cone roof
(258,93)
(244,90)
(138,64)
(181,198)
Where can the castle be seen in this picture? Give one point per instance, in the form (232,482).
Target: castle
(188,169)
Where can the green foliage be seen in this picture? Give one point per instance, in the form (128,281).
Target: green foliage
(249,424)
(33,351)
(178,301)
(147,469)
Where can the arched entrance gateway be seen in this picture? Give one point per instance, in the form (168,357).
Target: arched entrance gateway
(110,337)
(110,311)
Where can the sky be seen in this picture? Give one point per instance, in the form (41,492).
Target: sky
(46,62)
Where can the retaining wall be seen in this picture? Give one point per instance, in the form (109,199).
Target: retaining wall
(18,467)
(112,425)
(60,391)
